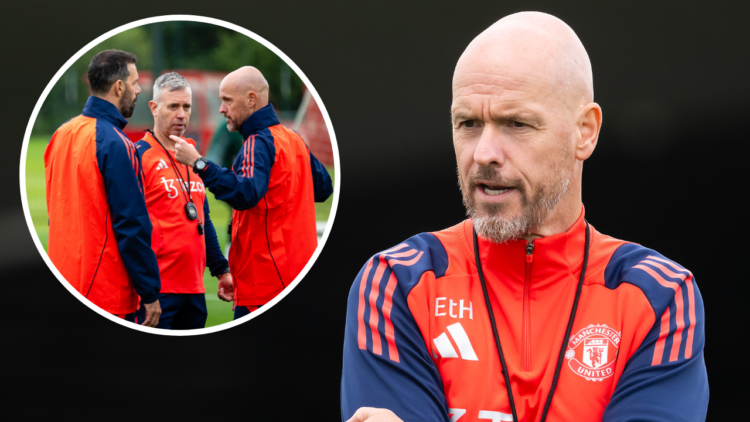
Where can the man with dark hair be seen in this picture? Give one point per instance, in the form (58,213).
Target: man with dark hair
(99,228)
(110,67)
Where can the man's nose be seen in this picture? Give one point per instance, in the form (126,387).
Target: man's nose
(137,89)
(490,148)
(222,109)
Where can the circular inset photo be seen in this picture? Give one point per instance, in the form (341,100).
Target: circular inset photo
(180,175)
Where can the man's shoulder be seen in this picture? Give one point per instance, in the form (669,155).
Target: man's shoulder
(281,136)
(78,126)
(409,260)
(142,146)
(108,135)
(658,277)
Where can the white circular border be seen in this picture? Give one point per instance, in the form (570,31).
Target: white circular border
(329,126)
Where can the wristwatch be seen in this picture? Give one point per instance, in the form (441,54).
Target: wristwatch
(200,165)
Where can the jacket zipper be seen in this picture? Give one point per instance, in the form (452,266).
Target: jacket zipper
(526,340)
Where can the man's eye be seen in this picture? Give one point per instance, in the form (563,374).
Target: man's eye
(468,123)
(518,124)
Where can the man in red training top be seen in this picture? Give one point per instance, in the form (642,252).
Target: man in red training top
(523,312)
(99,229)
(272,187)
(184,238)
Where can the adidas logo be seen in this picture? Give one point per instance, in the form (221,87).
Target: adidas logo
(161,165)
(460,339)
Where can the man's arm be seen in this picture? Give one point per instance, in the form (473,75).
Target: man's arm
(244,187)
(120,167)
(386,363)
(215,260)
(321,180)
(665,379)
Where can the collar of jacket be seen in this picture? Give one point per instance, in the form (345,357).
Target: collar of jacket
(553,256)
(261,119)
(102,109)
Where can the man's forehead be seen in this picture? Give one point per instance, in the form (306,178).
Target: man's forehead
(227,86)
(494,81)
(183,95)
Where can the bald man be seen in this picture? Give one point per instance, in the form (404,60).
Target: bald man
(523,312)
(272,188)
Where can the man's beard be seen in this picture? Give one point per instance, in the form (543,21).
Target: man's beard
(127,103)
(490,223)
(231,126)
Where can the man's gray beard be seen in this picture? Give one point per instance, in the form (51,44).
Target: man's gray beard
(493,226)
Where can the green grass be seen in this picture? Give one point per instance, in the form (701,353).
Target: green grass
(219,312)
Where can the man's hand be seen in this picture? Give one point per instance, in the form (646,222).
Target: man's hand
(184,152)
(226,290)
(153,313)
(371,414)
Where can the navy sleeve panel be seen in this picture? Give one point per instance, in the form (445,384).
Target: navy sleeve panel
(247,183)
(321,180)
(141,147)
(120,167)
(386,362)
(215,260)
(665,379)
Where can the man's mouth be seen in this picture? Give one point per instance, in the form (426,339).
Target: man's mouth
(493,190)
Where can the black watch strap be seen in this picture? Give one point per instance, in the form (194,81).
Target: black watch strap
(195,165)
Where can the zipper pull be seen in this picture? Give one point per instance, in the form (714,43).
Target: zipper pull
(530,251)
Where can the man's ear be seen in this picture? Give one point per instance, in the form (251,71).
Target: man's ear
(252,99)
(589,125)
(118,88)
(153,106)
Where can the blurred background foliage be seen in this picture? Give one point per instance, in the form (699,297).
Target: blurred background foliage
(174,45)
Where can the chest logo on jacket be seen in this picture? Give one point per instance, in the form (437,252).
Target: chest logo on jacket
(592,352)
(173,191)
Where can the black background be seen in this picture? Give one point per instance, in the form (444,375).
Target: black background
(673,81)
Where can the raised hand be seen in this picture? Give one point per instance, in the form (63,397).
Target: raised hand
(184,152)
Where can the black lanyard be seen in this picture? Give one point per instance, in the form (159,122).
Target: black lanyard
(190,209)
(572,318)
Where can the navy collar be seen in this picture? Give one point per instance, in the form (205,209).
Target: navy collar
(102,109)
(261,119)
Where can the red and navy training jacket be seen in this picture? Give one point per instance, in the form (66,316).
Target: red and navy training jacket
(99,227)
(419,342)
(272,187)
(182,252)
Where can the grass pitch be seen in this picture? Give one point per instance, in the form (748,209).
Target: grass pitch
(219,312)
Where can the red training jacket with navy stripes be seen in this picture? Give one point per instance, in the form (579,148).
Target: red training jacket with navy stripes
(272,188)
(419,341)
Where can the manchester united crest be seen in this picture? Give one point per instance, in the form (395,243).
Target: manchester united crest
(592,352)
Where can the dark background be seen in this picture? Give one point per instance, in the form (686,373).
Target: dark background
(668,173)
